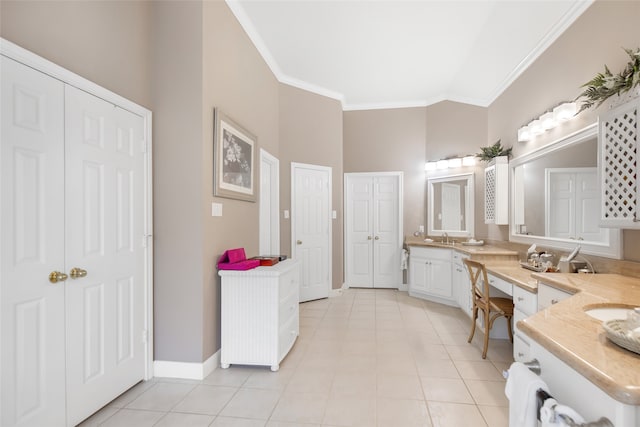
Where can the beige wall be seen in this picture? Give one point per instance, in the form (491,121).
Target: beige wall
(595,39)
(404,139)
(390,140)
(238,82)
(80,37)
(311,132)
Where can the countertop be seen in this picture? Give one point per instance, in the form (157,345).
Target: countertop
(470,250)
(579,340)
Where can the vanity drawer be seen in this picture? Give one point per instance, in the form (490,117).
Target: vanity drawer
(458,257)
(548,295)
(500,284)
(517,316)
(432,253)
(521,349)
(525,301)
(288,308)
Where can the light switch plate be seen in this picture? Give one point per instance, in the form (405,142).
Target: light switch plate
(286,214)
(421,228)
(216,209)
(334,214)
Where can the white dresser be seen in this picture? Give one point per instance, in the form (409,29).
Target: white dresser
(260,320)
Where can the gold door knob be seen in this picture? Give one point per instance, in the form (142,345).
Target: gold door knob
(56,276)
(298,242)
(77,273)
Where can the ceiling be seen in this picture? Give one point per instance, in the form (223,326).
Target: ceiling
(387,54)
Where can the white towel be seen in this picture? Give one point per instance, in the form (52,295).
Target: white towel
(521,388)
(551,415)
(403,260)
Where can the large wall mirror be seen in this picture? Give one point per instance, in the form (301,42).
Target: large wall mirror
(555,197)
(451,205)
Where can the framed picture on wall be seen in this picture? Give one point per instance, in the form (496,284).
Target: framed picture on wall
(235,166)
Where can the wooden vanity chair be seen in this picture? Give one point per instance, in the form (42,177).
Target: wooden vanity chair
(491,307)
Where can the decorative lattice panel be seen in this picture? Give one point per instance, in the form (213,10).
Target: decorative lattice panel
(490,194)
(619,165)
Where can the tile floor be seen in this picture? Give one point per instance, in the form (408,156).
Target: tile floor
(366,358)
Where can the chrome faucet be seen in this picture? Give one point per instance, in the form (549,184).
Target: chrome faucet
(445,236)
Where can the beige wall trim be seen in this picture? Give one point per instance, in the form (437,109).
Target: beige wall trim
(185,370)
(17,53)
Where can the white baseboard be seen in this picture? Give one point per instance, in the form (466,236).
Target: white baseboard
(186,370)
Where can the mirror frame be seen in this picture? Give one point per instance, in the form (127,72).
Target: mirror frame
(613,249)
(469,220)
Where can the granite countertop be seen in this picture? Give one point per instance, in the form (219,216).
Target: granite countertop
(470,250)
(579,340)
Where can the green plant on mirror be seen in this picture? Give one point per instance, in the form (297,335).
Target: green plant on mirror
(605,85)
(495,150)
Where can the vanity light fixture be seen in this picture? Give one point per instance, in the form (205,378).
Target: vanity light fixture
(454,162)
(442,164)
(549,120)
(469,161)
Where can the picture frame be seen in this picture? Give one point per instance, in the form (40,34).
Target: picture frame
(235,167)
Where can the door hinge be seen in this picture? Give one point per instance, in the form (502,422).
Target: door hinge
(146,239)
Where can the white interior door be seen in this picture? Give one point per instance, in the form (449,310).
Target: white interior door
(561,209)
(588,206)
(451,213)
(359,230)
(104,226)
(32,246)
(269,204)
(386,232)
(373,242)
(311,228)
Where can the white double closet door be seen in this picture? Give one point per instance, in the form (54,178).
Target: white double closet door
(72,257)
(373,224)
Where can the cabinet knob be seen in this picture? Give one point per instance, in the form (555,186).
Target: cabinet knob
(377,238)
(368,237)
(520,299)
(298,242)
(554,301)
(520,354)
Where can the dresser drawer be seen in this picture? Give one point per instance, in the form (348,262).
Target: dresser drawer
(525,301)
(288,308)
(548,295)
(287,335)
(288,284)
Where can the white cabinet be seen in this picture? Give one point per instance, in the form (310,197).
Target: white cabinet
(496,191)
(571,388)
(525,305)
(461,283)
(430,274)
(259,320)
(618,160)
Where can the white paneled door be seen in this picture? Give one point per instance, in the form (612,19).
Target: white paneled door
(104,237)
(311,228)
(32,245)
(72,257)
(373,242)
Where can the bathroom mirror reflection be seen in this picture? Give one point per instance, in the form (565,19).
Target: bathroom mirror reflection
(451,205)
(556,196)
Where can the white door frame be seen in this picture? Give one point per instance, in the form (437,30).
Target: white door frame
(32,60)
(400,176)
(270,218)
(329,170)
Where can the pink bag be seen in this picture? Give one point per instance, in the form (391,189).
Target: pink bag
(235,259)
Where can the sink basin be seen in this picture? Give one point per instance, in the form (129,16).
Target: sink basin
(604,312)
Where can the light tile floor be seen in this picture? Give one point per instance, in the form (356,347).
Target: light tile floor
(366,358)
